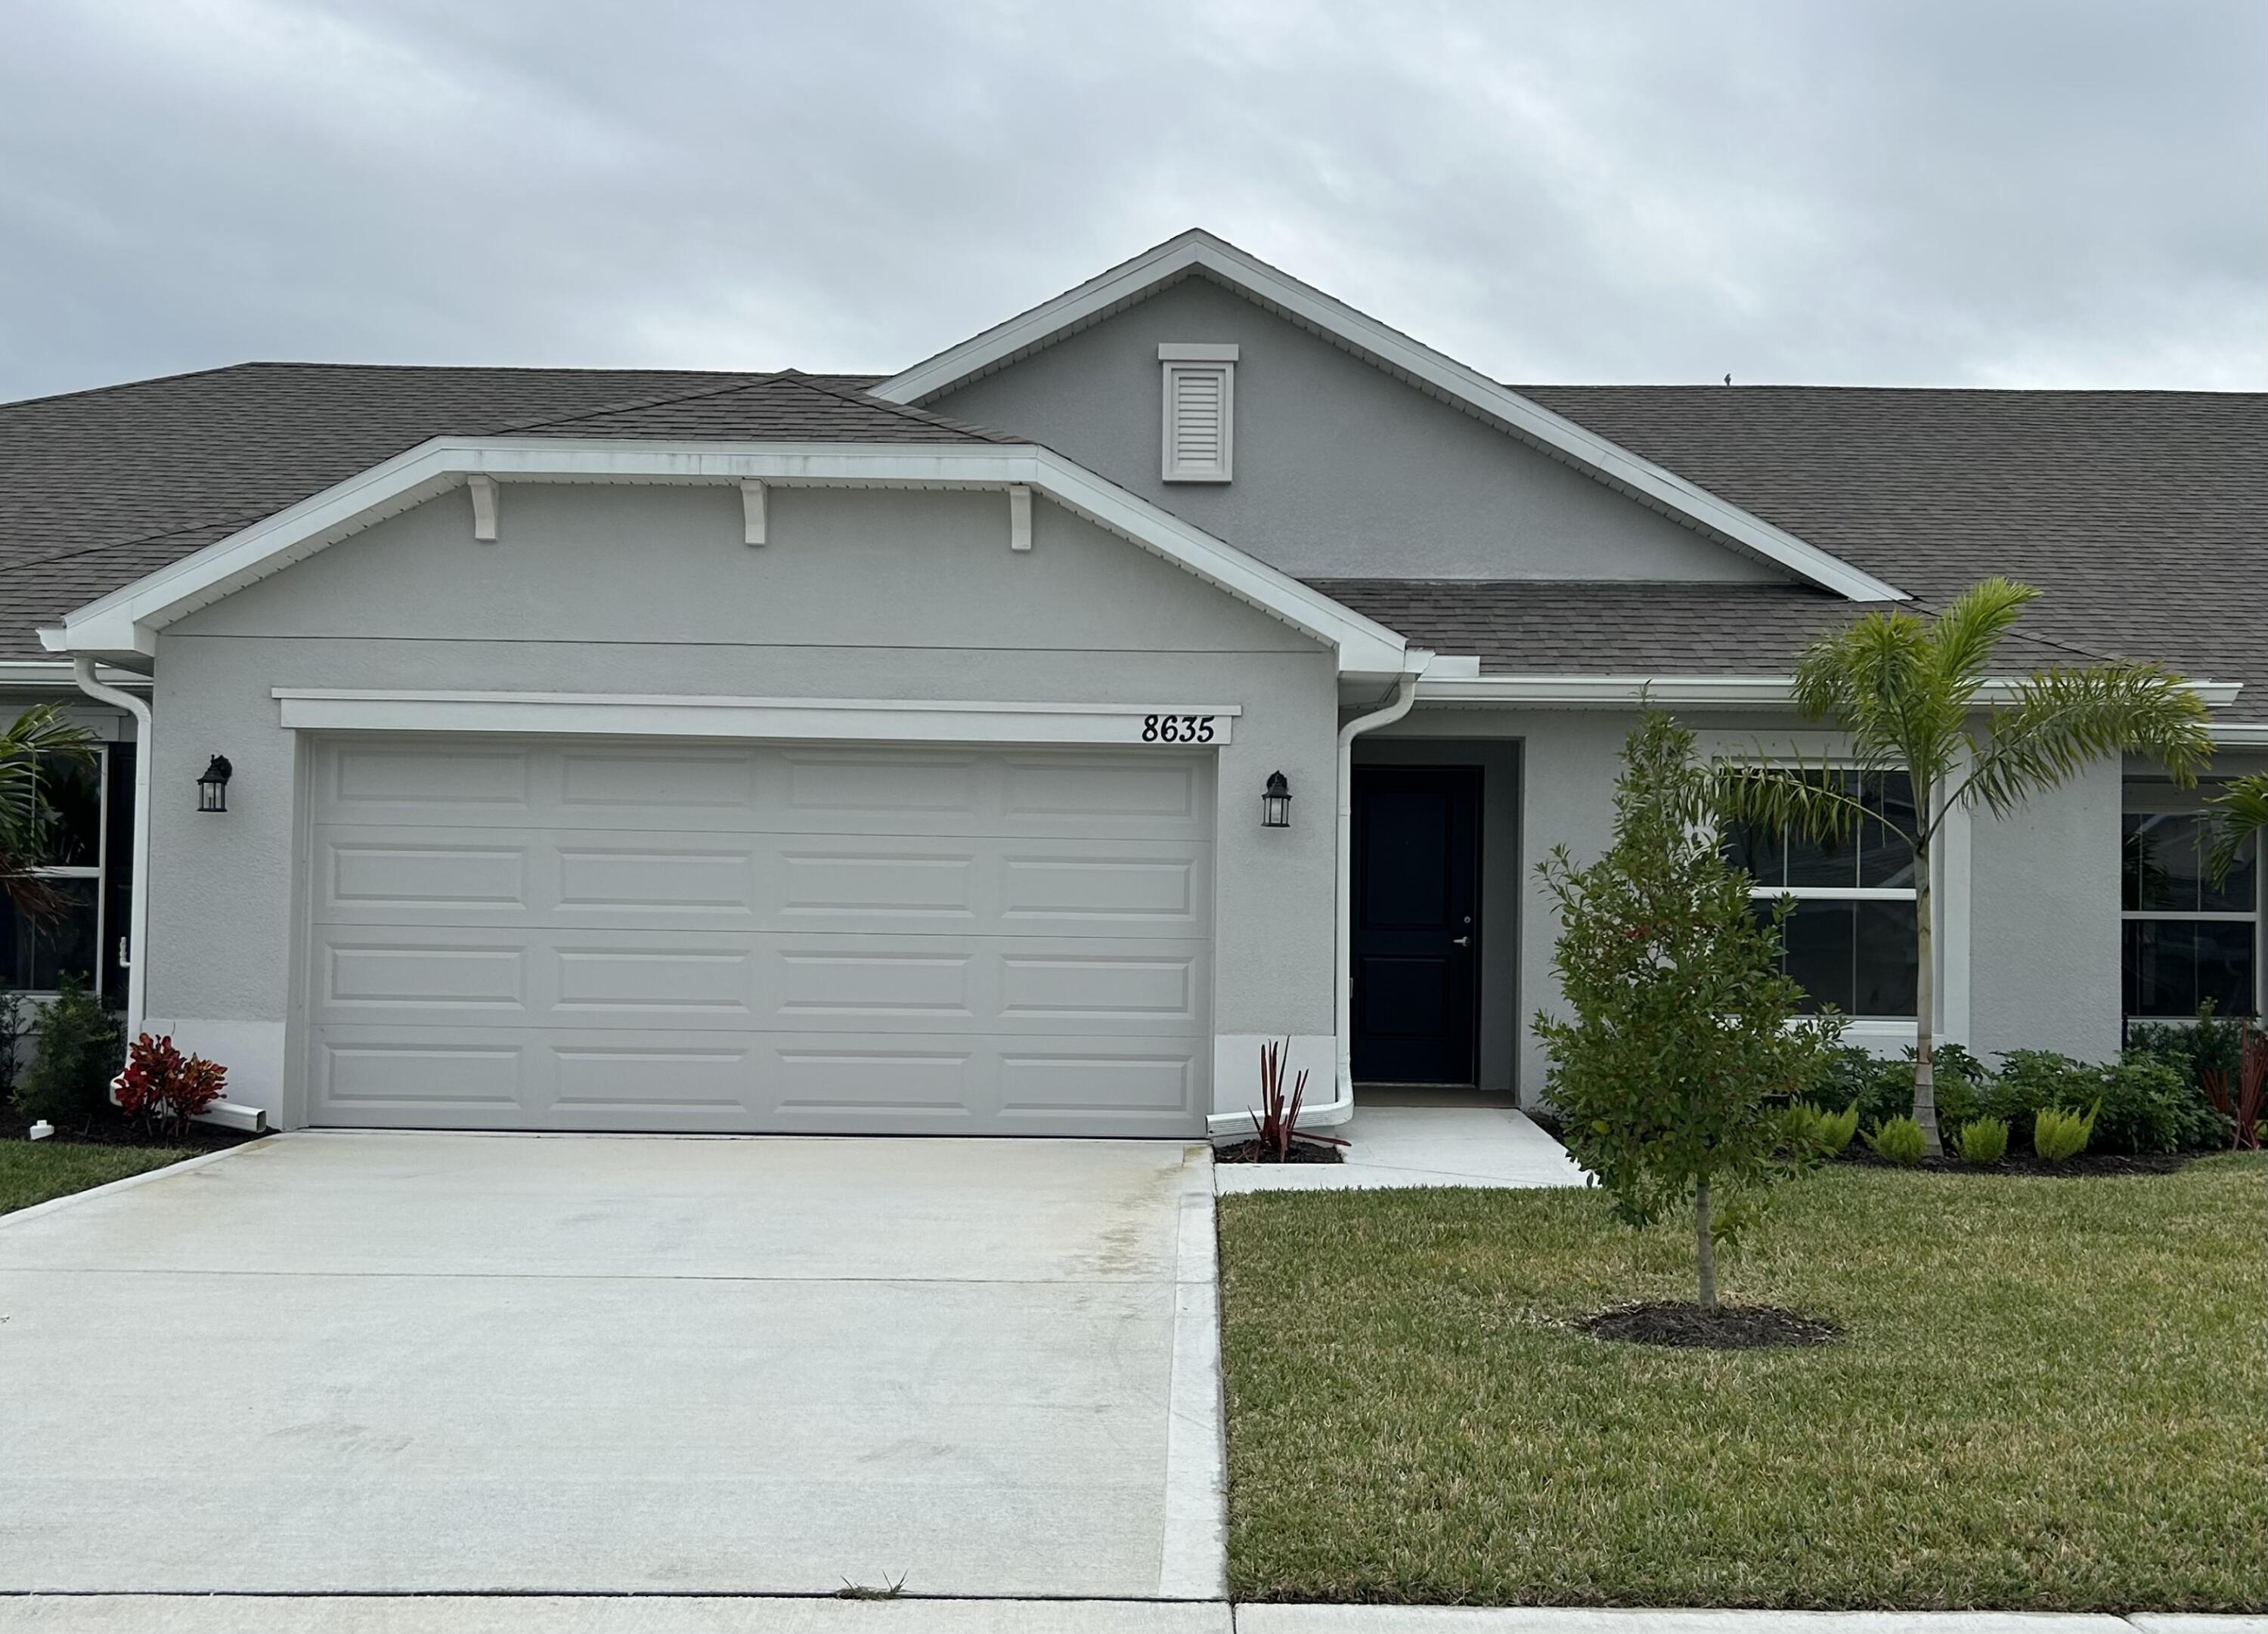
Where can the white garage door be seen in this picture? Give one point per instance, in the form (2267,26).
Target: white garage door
(611,936)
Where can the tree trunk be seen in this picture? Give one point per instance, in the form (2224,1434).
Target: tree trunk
(1925,1099)
(1704,1246)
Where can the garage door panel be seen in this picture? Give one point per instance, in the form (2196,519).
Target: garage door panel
(396,782)
(422,974)
(471,1080)
(367,872)
(698,978)
(411,976)
(713,937)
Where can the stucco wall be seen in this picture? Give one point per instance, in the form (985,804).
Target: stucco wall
(594,589)
(1341,470)
(2042,925)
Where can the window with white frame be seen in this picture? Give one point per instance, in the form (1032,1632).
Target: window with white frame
(2187,939)
(1200,411)
(82,850)
(1851,940)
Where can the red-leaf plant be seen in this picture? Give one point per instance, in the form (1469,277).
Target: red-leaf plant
(2242,1108)
(1275,1124)
(165,1089)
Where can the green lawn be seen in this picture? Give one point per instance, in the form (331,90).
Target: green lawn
(2052,1394)
(34,1171)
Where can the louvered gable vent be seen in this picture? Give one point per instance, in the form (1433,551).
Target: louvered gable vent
(1200,382)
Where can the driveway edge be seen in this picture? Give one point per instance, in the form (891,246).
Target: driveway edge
(1193,1564)
(16,1216)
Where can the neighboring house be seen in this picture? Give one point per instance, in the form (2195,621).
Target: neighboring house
(712,752)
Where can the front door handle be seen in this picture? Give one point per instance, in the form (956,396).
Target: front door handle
(1461,942)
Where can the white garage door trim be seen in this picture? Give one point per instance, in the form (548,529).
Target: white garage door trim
(467,898)
(880,720)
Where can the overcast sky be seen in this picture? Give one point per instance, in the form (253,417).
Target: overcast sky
(2066,192)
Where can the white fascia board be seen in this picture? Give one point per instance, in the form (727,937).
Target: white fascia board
(1688,691)
(126,622)
(2242,734)
(1391,349)
(55,675)
(890,720)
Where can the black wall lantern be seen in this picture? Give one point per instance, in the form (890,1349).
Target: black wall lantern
(212,788)
(1276,802)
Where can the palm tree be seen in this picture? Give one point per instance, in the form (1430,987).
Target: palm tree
(1917,696)
(2239,811)
(28,751)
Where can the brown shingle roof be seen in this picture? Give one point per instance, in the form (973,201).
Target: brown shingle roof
(2141,515)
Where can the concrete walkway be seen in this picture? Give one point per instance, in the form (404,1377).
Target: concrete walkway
(398,1363)
(1411,1140)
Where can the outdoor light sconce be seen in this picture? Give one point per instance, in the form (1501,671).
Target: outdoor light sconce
(1276,802)
(212,788)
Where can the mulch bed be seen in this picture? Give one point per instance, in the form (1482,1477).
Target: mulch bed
(1253,1151)
(1679,1326)
(2086,1164)
(111,1127)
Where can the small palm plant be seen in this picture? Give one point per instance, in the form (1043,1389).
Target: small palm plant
(2239,811)
(29,748)
(1910,694)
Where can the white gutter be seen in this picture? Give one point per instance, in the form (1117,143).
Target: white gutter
(226,1114)
(1718,691)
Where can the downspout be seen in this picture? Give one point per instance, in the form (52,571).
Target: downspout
(1397,704)
(226,1114)
(137,896)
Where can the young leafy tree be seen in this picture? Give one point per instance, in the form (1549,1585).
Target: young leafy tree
(1684,1033)
(1910,693)
(2239,811)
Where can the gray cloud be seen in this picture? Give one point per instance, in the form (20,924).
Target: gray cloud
(1901,191)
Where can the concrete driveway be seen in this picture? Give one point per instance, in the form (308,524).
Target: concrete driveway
(406,1362)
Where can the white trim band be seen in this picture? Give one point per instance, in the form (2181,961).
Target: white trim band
(1705,691)
(876,720)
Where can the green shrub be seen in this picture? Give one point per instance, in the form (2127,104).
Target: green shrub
(1983,1140)
(81,1047)
(1898,1140)
(1836,1128)
(2193,1048)
(2060,1135)
(2148,1103)
(1883,1088)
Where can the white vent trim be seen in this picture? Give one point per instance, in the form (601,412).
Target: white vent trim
(1199,431)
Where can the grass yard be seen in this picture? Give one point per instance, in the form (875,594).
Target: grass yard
(32,1172)
(2052,1394)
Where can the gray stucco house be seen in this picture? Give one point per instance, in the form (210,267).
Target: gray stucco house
(622,750)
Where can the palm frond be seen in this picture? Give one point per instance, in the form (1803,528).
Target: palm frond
(41,730)
(2236,813)
(1788,794)
(2063,720)
(1966,635)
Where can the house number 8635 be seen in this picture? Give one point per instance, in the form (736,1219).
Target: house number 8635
(1177,728)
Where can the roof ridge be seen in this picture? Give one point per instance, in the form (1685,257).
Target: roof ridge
(907,411)
(633,404)
(123,385)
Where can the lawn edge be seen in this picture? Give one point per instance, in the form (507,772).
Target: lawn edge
(1193,1557)
(16,1216)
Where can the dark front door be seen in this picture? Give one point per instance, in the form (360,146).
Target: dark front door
(1416,922)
